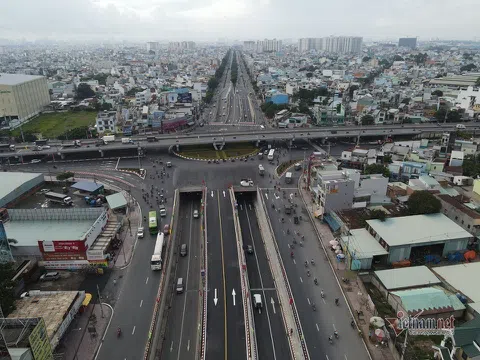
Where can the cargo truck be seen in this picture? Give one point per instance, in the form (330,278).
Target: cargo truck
(108,138)
(127,141)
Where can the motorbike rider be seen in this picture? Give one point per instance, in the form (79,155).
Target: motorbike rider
(315,281)
(335,333)
(336,301)
(322,294)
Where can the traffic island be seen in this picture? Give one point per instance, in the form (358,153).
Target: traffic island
(285,166)
(235,151)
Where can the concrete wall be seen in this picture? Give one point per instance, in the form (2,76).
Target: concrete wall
(341,198)
(461,218)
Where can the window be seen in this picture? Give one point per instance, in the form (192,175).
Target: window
(468,227)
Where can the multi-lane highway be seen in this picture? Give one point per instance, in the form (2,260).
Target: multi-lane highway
(225,321)
(184,323)
(270,330)
(320,324)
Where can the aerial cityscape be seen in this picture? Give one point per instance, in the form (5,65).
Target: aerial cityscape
(235,181)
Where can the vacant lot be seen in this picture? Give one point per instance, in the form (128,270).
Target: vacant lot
(55,124)
(208,152)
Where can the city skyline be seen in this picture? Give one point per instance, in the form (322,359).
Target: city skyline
(151,20)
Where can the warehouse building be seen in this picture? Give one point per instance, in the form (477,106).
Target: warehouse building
(61,238)
(403,240)
(22,97)
(17,185)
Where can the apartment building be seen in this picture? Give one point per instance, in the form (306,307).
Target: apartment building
(269,45)
(249,45)
(153,46)
(307,44)
(106,122)
(343,44)
(334,190)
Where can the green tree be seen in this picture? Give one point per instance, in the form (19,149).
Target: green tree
(398,58)
(377,169)
(423,202)
(366,58)
(468,67)
(471,165)
(377,214)
(65,176)
(351,90)
(309,75)
(420,58)
(438,93)
(367,120)
(84,91)
(7,287)
(387,159)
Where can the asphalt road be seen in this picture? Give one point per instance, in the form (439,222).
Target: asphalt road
(320,324)
(272,342)
(183,321)
(225,322)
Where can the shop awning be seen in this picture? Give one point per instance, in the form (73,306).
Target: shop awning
(88,298)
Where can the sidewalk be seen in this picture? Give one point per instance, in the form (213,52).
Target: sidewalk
(355,292)
(128,235)
(79,342)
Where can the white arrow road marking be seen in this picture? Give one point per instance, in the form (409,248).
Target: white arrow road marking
(215,299)
(334,328)
(250,206)
(212,193)
(273,305)
(233,295)
(266,195)
(276,197)
(223,193)
(241,207)
(188,345)
(171,347)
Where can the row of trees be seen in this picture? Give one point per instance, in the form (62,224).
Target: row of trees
(234,70)
(213,82)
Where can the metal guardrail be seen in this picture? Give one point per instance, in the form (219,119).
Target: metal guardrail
(205,288)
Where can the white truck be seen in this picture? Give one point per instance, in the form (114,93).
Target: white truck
(108,138)
(126,141)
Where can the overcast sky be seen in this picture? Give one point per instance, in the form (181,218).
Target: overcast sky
(236,19)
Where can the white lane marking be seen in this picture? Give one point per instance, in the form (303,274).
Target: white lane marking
(215,299)
(273,305)
(171,348)
(346,357)
(223,193)
(294,262)
(212,193)
(188,345)
(324,301)
(327,357)
(301,280)
(146,281)
(233,295)
(308,301)
(141,303)
(276,197)
(317,327)
(266,195)
(241,207)
(250,206)
(334,328)
(133,331)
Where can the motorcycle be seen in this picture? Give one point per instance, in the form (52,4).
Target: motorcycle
(291,254)
(315,281)
(336,334)
(352,323)
(322,294)
(337,302)
(314,307)
(330,340)
(119,332)
(312,262)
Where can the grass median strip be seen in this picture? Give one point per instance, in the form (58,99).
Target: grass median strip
(208,152)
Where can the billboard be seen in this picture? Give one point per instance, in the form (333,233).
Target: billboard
(40,343)
(185,98)
(75,246)
(61,256)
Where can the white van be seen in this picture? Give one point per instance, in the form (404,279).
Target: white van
(257,301)
(180,286)
(461,126)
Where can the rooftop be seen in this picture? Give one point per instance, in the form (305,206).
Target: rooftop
(116,201)
(52,306)
(11,181)
(458,205)
(409,277)
(429,300)
(417,229)
(462,277)
(363,245)
(16,79)
(88,186)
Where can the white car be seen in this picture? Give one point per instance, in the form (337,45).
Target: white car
(195,214)
(140,233)
(246,183)
(35,161)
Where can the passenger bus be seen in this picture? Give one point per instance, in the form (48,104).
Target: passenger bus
(152,222)
(271,154)
(156,262)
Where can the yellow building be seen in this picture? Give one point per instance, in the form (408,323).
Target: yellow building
(22,96)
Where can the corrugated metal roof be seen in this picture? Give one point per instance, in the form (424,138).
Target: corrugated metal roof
(89,186)
(15,79)
(430,299)
(417,229)
(11,181)
(362,245)
(407,277)
(116,201)
(462,277)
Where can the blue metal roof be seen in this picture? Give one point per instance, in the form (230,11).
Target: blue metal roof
(89,186)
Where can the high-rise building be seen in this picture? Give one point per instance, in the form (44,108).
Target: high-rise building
(269,45)
(153,46)
(407,42)
(181,45)
(249,45)
(335,44)
(343,44)
(307,44)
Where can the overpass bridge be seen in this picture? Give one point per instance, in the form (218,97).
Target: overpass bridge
(115,149)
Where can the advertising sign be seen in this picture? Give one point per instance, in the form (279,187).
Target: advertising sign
(74,246)
(57,265)
(39,342)
(185,98)
(61,256)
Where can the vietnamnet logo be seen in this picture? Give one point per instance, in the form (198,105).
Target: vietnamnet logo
(420,326)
